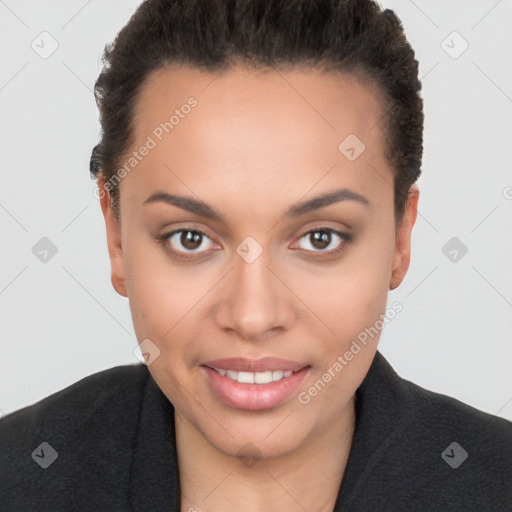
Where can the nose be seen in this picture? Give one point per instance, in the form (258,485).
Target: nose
(254,301)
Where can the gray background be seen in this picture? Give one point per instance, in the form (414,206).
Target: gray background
(61,320)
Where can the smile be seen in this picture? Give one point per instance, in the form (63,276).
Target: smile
(233,383)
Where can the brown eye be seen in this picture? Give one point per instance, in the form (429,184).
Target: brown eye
(186,241)
(320,239)
(191,239)
(324,240)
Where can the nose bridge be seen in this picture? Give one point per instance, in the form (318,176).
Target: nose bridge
(254,301)
(253,277)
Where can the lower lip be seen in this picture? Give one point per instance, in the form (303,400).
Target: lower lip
(253,397)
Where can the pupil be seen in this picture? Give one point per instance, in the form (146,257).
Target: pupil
(191,239)
(321,239)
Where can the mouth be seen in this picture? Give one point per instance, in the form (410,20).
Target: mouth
(254,384)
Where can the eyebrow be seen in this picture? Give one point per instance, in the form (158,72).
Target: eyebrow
(202,209)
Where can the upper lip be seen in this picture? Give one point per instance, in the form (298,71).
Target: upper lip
(265,364)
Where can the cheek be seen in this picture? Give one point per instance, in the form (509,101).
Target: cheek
(351,295)
(154,295)
(164,299)
(350,305)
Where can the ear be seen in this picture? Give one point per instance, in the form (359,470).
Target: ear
(115,250)
(402,254)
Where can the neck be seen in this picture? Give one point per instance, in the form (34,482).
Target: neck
(213,481)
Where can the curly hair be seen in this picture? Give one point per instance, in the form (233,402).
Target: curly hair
(351,36)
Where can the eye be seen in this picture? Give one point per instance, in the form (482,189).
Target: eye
(325,240)
(185,241)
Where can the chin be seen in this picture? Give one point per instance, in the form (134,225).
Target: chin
(255,439)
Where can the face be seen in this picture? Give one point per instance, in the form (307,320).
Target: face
(235,259)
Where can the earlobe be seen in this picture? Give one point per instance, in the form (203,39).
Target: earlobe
(115,250)
(395,281)
(402,254)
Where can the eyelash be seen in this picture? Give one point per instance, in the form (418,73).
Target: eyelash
(346,238)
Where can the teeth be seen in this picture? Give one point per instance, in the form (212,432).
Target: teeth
(255,377)
(245,377)
(277,375)
(263,377)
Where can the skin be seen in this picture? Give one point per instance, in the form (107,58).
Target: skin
(256,144)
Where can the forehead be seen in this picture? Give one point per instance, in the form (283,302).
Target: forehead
(247,126)
(330,100)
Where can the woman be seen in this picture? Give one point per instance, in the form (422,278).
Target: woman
(257,174)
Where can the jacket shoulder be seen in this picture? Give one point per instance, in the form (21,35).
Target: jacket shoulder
(447,414)
(78,438)
(456,449)
(77,401)
(424,451)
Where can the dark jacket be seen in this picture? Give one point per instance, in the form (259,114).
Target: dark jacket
(111,447)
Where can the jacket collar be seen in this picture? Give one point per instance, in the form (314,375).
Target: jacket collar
(154,478)
(380,412)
